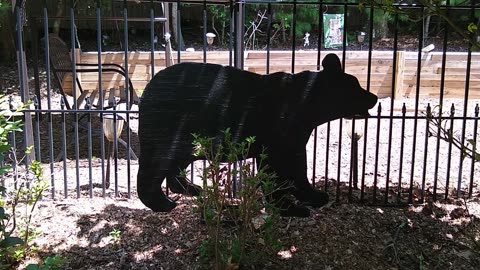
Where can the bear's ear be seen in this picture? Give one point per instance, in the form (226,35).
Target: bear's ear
(331,63)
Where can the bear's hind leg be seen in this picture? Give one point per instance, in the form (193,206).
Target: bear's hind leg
(178,184)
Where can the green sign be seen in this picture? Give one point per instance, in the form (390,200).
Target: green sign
(333,30)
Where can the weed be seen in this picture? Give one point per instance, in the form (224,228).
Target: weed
(116,235)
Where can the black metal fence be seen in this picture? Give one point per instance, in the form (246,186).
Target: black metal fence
(409,150)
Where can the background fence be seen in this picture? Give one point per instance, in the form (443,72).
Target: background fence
(400,155)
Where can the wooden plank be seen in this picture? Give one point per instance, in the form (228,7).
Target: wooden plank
(455,56)
(356,64)
(435,91)
(314,54)
(140,85)
(116,77)
(288,62)
(146,55)
(435,84)
(437,67)
(457,70)
(399,74)
(67,85)
(448,77)
(118,57)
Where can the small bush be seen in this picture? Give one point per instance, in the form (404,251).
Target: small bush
(17,205)
(241,224)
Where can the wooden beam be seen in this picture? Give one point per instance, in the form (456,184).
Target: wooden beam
(399,74)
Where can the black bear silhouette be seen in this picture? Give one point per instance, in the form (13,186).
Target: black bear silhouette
(280,110)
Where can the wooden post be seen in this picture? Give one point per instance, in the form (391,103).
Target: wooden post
(399,75)
(239,20)
(24,91)
(166,26)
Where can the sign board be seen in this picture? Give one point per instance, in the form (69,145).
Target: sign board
(333,30)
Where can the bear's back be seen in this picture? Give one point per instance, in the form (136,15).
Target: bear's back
(197,84)
(199,98)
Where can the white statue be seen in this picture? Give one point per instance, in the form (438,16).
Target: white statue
(306,41)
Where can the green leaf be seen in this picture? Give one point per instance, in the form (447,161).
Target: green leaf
(5,169)
(10,242)
(5,147)
(55,262)
(33,267)
(472,28)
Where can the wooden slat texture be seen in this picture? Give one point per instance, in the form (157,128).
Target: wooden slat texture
(382,70)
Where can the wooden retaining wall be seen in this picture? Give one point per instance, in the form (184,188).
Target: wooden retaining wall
(382,73)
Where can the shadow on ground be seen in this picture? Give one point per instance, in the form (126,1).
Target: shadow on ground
(334,237)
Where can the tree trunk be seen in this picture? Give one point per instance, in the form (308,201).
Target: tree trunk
(383,26)
(179,40)
(426,24)
(57,22)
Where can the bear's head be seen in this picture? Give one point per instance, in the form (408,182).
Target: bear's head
(335,94)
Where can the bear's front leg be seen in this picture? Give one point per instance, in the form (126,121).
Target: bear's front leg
(279,161)
(303,190)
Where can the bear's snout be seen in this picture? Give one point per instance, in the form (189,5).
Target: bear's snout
(364,103)
(372,100)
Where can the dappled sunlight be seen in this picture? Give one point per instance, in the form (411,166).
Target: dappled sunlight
(364,235)
(287,254)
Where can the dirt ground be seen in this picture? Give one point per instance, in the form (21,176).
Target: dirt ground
(442,235)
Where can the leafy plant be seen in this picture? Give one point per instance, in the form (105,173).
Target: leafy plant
(16,232)
(50,263)
(220,18)
(116,235)
(5,7)
(7,241)
(461,24)
(234,223)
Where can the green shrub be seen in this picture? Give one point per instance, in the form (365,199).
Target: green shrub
(239,228)
(16,231)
